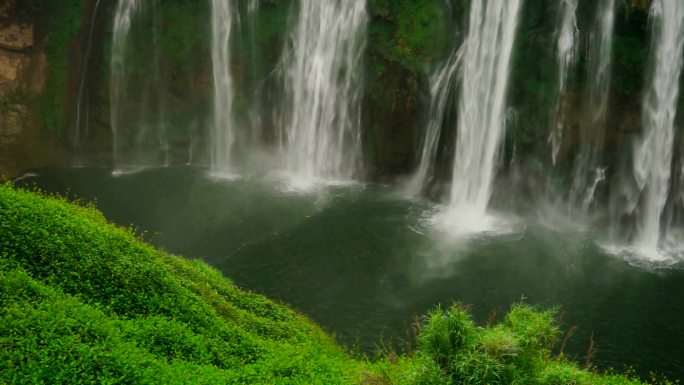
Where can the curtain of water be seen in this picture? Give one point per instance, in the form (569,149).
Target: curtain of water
(125,11)
(80,132)
(139,137)
(482,109)
(322,70)
(253,6)
(222,133)
(566,55)
(255,111)
(588,168)
(442,81)
(654,149)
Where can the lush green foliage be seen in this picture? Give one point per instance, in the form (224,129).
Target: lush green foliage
(85,302)
(453,350)
(82,301)
(407,31)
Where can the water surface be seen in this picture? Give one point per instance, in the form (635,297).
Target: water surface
(360,262)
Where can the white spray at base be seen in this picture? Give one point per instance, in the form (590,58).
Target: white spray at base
(482,112)
(654,150)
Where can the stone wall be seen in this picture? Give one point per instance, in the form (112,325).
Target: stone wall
(23,69)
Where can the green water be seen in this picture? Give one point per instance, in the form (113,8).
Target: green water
(360,262)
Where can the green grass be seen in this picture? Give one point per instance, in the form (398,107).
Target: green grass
(85,302)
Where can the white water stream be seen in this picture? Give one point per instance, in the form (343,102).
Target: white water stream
(80,132)
(654,149)
(442,82)
(123,19)
(589,160)
(566,56)
(482,111)
(323,84)
(137,116)
(222,135)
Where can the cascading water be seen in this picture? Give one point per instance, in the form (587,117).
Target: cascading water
(125,12)
(253,6)
(322,70)
(252,89)
(567,57)
(482,112)
(654,150)
(442,82)
(222,133)
(588,162)
(139,137)
(81,132)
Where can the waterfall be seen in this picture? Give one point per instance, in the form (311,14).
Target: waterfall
(442,82)
(139,137)
(654,149)
(592,132)
(125,11)
(253,6)
(482,110)
(321,136)
(79,132)
(256,110)
(566,54)
(222,133)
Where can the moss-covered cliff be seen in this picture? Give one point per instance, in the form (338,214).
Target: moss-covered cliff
(404,38)
(170,70)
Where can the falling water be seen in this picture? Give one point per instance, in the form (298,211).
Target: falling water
(600,61)
(321,137)
(482,111)
(255,60)
(599,176)
(654,150)
(222,133)
(566,57)
(139,137)
(253,6)
(125,10)
(79,132)
(442,82)
(588,161)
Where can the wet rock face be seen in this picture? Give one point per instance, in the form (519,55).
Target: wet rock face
(15,34)
(16,43)
(640,4)
(16,37)
(23,69)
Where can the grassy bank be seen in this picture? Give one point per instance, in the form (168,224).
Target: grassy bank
(83,301)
